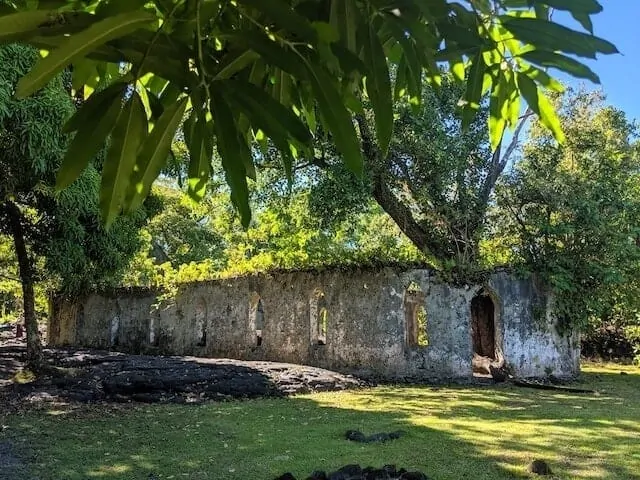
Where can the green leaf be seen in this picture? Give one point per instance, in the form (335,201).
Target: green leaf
(281,87)
(542,11)
(272,52)
(400,86)
(154,83)
(200,146)
(170,95)
(270,118)
(544,79)
(153,154)
(412,60)
(473,94)
(457,68)
(326,32)
(498,111)
(129,132)
(343,17)
(267,113)
(308,106)
(561,62)
(114,7)
(336,117)
(15,25)
(540,105)
(232,149)
(93,107)
(258,72)
(513,106)
(378,85)
(546,35)
(584,20)
(284,16)
(84,73)
(99,120)
(588,7)
(77,46)
(350,63)
(235,64)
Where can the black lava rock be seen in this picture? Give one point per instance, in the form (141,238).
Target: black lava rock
(286,476)
(355,472)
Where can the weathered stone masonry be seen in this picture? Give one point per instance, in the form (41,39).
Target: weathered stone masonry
(362,321)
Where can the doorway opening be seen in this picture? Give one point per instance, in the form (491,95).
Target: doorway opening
(486,334)
(483,325)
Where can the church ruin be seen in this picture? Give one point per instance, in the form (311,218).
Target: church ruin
(386,323)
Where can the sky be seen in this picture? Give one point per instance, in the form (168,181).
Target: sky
(619,74)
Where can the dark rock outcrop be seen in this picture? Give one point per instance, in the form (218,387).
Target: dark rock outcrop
(356,472)
(357,436)
(92,376)
(539,467)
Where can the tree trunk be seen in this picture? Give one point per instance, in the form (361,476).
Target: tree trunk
(34,347)
(400,213)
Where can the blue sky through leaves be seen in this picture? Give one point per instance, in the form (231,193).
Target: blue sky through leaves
(619,74)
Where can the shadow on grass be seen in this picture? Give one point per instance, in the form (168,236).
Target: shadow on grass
(254,439)
(455,433)
(10,363)
(587,435)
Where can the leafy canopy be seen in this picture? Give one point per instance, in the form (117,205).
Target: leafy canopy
(67,245)
(247,70)
(436,181)
(571,213)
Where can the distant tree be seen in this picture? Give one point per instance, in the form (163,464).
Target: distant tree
(181,231)
(62,229)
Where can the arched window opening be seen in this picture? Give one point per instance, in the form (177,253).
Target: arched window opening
(201,324)
(153,338)
(319,318)
(322,326)
(256,317)
(114,328)
(415,316)
(483,328)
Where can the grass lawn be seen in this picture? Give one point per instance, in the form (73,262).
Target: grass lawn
(452,433)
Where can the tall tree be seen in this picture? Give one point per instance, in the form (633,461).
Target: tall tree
(571,213)
(252,69)
(30,143)
(436,181)
(62,228)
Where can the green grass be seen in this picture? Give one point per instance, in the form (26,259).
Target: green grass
(454,433)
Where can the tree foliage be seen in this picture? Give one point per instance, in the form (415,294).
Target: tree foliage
(285,233)
(571,213)
(246,70)
(57,237)
(436,181)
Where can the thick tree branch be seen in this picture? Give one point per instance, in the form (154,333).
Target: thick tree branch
(499,161)
(385,197)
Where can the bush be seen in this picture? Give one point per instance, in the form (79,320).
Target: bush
(633,335)
(610,341)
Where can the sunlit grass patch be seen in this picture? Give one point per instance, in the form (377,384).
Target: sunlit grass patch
(451,433)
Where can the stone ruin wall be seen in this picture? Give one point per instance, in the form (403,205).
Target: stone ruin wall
(360,321)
